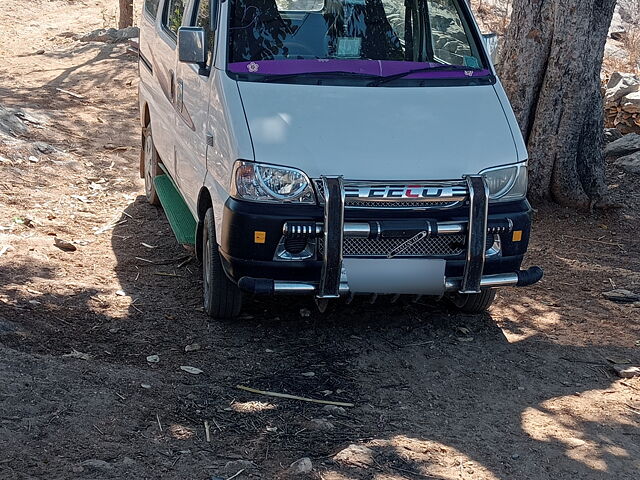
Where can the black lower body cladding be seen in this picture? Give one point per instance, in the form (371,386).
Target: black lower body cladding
(252,231)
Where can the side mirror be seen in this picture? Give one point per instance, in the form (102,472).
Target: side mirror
(192,45)
(491,44)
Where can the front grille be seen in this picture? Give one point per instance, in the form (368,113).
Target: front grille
(392,204)
(448,246)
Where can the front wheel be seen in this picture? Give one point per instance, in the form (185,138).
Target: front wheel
(222,297)
(473,302)
(150,164)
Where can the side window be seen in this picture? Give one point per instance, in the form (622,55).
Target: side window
(204,20)
(173,13)
(450,37)
(151,7)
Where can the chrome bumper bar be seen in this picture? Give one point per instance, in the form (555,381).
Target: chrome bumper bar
(523,278)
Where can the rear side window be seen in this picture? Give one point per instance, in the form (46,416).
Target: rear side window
(151,7)
(174,11)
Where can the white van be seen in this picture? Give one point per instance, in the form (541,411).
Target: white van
(333,148)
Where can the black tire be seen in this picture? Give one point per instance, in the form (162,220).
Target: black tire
(474,302)
(150,166)
(222,297)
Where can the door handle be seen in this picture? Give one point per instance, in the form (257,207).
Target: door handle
(180,95)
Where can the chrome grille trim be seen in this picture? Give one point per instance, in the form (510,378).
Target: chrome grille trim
(400,203)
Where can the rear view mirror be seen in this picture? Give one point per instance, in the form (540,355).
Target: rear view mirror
(192,45)
(491,44)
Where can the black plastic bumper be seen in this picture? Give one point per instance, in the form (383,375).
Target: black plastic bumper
(242,256)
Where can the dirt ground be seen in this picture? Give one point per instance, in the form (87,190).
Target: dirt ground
(524,392)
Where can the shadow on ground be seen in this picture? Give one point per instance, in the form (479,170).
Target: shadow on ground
(436,394)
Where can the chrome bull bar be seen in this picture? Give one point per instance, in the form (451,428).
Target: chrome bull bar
(334,282)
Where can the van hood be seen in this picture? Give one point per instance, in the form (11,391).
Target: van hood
(422,133)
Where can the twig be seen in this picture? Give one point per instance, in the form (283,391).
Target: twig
(629,385)
(216,424)
(634,410)
(619,245)
(75,95)
(293,397)
(163,274)
(207,431)
(96,427)
(182,264)
(235,475)
(159,424)
(145,260)
(122,397)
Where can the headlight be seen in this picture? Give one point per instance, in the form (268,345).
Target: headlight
(507,183)
(268,183)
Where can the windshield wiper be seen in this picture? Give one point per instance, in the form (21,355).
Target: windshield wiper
(439,68)
(339,74)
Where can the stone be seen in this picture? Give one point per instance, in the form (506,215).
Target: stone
(631,103)
(153,359)
(629,163)
(612,134)
(623,146)
(357,455)
(95,463)
(322,424)
(334,410)
(627,371)
(619,85)
(622,296)
(194,347)
(64,245)
(301,466)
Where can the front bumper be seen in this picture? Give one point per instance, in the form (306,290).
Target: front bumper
(252,232)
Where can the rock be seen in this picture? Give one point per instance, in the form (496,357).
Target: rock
(630,163)
(64,245)
(334,410)
(146,386)
(77,469)
(153,359)
(95,463)
(234,466)
(612,134)
(120,293)
(619,85)
(631,103)
(305,312)
(621,296)
(40,52)
(308,374)
(301,466)
(322,424)
(357,455)
(194,347)
(191,370)
(623,146)
(617,30)
(626,371)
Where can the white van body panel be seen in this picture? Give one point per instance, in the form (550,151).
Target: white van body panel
(434,133)
(521,146)
(230,138)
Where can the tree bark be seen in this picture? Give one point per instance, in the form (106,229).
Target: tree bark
(550,66)
(126,14)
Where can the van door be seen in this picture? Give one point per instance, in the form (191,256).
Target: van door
(165,58)
(192,84)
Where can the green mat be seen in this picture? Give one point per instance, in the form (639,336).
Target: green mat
(182,222)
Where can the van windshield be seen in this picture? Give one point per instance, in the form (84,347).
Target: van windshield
(367,37)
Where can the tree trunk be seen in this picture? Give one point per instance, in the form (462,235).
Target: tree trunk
(126,14)
(550,65)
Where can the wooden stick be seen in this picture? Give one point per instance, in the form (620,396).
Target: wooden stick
(159,424)
(235,475)
(619,245)
(207,431)
(293,397)
(76,95)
